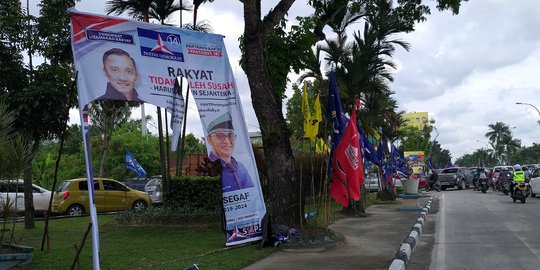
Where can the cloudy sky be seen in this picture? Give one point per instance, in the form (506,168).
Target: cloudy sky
(466,70)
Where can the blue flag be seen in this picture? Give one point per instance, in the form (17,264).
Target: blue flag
(334,111)
(368,150)
(133,165)
(398,160)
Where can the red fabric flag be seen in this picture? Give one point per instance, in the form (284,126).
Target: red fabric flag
(347,173)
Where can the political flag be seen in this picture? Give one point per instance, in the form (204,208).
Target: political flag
(133,165)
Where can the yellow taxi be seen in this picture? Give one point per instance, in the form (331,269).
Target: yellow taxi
(71,197)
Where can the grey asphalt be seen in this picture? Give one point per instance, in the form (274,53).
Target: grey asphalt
(370,243)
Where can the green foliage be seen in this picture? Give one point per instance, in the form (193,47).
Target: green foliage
(169,215)
(194,192)
(526,155)
(439,156)
(54,32)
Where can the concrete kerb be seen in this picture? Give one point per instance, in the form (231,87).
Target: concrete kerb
(405,250)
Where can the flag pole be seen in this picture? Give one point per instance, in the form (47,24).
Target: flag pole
(90,179)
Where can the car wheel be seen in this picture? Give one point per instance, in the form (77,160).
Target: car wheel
(139,205)
(75,210)
(463,184)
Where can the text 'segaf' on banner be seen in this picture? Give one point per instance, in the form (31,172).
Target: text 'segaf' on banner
(129,60)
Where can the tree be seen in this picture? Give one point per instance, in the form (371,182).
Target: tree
(161,10)
(43,96)
(106,116)
(266,98)
(498,135)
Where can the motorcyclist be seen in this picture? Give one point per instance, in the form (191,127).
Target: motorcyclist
(433,178)
(475,174)
(519,177)
(481,176)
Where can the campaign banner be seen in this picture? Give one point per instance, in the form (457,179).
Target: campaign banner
(129,60)
(416,161)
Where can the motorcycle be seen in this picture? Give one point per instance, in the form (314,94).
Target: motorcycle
(505,179)
(483,184)
(435,186)
(521,192)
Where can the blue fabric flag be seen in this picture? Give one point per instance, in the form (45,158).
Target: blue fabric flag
(430,164)
(133,165)
(334,111)
(368,150)
(398,160)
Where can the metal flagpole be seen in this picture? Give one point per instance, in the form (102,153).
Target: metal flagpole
(90,181)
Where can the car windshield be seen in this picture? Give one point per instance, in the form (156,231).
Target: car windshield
(63,187)
(452,170)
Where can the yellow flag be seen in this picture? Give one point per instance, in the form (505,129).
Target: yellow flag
(306,111)
(320,147)
(315,120)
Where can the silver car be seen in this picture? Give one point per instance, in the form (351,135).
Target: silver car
(154,189)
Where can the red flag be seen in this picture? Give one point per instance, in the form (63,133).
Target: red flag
(347,175)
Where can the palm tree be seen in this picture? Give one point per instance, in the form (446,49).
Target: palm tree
(196,5)
(137,9)
(344,19)
(496,134)
(201,26)
(161,10)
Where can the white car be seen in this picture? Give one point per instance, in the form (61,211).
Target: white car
(154,189)
(371,182)
(14,190)
(534,183)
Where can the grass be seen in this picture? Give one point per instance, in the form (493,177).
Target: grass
(136,247)
(151,246)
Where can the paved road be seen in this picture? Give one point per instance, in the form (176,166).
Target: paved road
(472,230)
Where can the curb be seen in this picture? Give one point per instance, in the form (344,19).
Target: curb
(405,250)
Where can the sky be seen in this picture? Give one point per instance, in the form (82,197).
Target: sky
(467,70)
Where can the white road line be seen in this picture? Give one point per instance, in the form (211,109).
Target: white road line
(441,246)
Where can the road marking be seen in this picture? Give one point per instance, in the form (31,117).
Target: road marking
(441,247)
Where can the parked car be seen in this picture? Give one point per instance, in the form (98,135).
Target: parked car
(14,190)
(135,183)
(371,182)
(109,195)
(534,183)
(397,177)
(154,189)
(422,179)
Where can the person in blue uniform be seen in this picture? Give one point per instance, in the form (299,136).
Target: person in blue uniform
(121,72)
(222,138)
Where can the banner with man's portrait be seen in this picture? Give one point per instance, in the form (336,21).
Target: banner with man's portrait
(129,60)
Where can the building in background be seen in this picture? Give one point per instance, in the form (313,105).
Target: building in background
(416,119)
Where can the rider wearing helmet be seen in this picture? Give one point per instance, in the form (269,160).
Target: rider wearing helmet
(519,177)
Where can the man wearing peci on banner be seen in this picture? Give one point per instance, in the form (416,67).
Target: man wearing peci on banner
(221,138)
(121,72)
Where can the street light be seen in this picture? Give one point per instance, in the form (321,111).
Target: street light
(523,103)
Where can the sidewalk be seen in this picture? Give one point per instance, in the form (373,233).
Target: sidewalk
(370,243)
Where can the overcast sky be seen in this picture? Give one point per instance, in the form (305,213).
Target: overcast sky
(467,70)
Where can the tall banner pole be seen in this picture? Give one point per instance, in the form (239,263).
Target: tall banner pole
(90,181)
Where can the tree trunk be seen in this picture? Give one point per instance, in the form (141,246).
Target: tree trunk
(106,141)
(28,195)
(283,186)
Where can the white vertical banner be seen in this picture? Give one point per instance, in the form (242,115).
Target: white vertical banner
(128,60)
